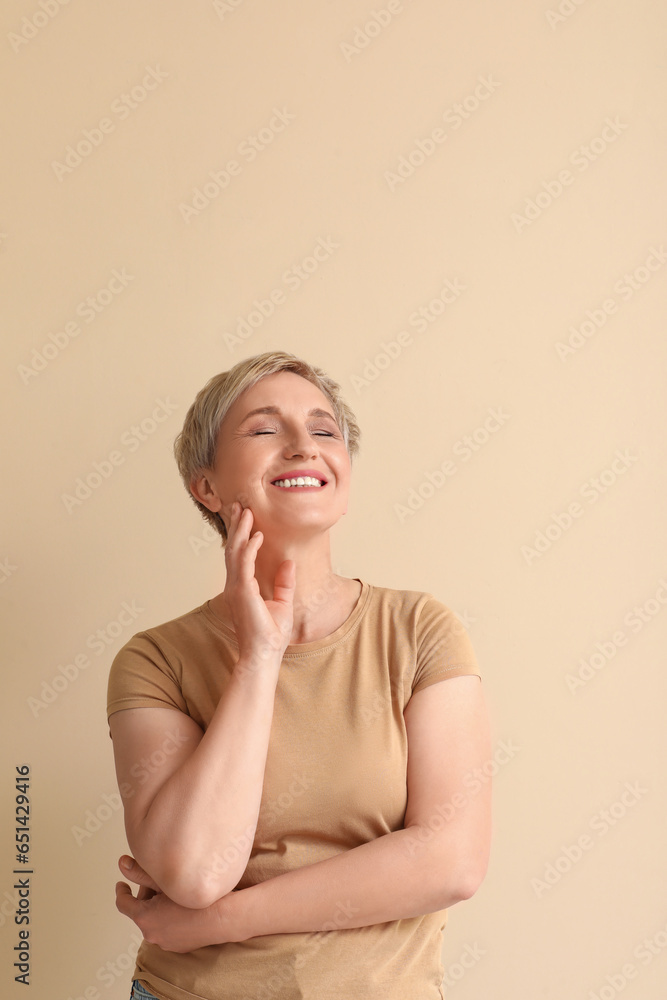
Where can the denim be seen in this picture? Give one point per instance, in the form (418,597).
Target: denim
(140,992)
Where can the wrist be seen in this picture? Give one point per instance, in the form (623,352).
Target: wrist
(231,918)
(261,663)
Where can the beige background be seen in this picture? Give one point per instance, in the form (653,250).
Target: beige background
(362,94)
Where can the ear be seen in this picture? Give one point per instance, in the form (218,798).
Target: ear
(202,490)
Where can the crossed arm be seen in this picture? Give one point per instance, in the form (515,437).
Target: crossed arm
(439,858)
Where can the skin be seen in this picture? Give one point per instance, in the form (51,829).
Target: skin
(284,525)
(277,555)
(425,866)
(165,923)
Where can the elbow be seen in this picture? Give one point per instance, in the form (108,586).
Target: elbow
(193,897)
(471,862)
(468,886)
(471,878)
(196,887)
(463,874)
(456,885)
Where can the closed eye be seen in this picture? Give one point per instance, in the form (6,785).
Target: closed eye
(319,433)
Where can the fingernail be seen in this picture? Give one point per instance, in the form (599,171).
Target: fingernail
(126,863)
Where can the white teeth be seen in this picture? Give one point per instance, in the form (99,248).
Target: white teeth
(300,481)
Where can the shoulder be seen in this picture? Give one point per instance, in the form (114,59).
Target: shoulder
(185,624)
(408,604)
(166,641)
(414,613)
(430,639)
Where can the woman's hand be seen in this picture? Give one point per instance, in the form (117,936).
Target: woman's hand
(263,628)
(168,925)
(148,887)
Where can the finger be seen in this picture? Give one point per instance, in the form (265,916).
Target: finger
(251,546)
(285,582)
(231,515)
(132,870)
(235,508)
(239,531)
(144,892)
(242,505)
(237,512)
(125,901)
(234,512)
(244,552)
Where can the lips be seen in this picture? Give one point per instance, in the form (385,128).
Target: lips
(295,473)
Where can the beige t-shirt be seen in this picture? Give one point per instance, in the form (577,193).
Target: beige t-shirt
(335,778)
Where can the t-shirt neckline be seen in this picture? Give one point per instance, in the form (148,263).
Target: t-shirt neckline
(302,648)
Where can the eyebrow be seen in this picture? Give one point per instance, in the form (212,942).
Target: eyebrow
(315,412)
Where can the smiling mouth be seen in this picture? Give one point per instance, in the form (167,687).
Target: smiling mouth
(303,483)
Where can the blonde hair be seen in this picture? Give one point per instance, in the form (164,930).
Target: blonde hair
(195,445)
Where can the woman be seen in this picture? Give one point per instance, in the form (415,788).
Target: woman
(285,844)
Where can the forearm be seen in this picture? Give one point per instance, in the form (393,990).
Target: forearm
(394,877)
(385,879)
(212,801)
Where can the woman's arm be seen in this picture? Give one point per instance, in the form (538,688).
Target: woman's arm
(204,794)
(186,815)
(438,859)
(390,878)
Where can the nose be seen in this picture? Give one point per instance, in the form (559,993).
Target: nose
(300,444)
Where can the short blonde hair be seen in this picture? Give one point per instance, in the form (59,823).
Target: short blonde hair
(195,445)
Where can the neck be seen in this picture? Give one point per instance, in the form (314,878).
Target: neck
(317,587)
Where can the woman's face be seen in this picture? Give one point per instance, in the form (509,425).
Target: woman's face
(255,450)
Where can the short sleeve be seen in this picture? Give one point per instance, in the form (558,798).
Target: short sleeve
(444,648)
(141,676)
